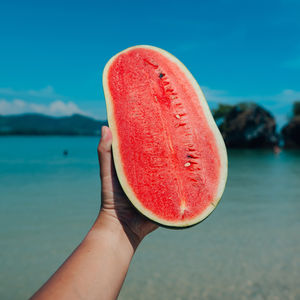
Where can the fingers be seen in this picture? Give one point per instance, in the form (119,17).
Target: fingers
(104,153)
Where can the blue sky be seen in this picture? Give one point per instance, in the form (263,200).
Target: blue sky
(52,53)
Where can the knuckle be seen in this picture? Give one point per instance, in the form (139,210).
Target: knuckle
(102,148)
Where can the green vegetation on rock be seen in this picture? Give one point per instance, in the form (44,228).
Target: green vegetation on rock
(221,111)
(296,108)
(291,131)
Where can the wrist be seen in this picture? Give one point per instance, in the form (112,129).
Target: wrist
(108,227)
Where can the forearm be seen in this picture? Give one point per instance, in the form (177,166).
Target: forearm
(96,269)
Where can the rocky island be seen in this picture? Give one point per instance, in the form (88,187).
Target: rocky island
(291,132)
(246,125)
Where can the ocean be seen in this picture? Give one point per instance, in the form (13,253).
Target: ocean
(249,248)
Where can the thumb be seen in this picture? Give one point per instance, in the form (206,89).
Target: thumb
(105,154)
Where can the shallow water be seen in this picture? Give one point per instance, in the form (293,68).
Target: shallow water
(247,249)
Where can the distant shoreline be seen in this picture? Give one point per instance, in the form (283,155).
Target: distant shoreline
(243,126)
(42,125)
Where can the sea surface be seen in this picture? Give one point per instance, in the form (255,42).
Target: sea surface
(249,248)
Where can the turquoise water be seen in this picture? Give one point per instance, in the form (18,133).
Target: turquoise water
(247,249)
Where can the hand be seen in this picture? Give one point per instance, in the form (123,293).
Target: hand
(115,206)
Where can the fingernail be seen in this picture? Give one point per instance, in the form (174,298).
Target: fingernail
(103,132)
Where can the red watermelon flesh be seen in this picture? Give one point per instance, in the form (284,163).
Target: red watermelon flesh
(169,155)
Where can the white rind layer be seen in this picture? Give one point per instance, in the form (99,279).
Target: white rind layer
(117,156)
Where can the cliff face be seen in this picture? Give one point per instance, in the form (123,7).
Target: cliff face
(248,125)
(291,133)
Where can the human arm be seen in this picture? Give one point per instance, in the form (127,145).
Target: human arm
(97,268)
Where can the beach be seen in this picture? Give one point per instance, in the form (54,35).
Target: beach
(247,249)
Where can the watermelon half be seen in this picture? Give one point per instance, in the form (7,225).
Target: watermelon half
(169,155)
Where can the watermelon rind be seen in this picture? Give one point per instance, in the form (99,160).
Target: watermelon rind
(118,158)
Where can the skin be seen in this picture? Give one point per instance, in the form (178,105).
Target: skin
(97,268)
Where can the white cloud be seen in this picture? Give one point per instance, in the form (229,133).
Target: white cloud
(292,63)
(44,93)
(288,96)
(280,105)
(47,101)
(214,96)
(285,97)
(56,108)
